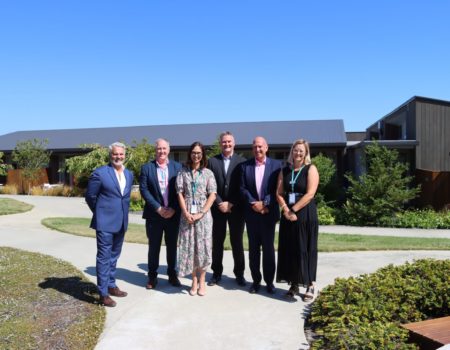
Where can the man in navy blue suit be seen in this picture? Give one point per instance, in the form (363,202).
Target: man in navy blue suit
(258,187)
(161,211)
(108,197)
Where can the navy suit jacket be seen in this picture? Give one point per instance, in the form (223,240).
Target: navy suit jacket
(150,191)
(268,189)
(105,200)
(227,184)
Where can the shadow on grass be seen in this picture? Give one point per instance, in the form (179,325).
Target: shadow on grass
(73,286)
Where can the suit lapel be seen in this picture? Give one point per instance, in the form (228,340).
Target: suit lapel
(265,177)
(252,177)
(112,173)
(230,168)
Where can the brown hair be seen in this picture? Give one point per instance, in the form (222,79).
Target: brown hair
(203,162)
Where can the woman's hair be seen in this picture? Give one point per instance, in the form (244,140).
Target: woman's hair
(307,155)
(203,162)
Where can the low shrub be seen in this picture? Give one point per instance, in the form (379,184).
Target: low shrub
(427,218)
(365,312)
(136,201)
(9,189)
(326,215)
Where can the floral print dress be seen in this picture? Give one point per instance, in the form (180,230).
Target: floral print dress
(195,240)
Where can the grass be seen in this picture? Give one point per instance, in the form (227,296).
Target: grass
(327,242)
(11,206)
(46,303)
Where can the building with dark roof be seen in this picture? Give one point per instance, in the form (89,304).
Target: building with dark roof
(326,136)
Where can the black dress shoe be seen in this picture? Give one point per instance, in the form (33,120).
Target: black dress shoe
(241,281)
(107,301)
(270,289)
(254,288)
(214,280)
(151,284)
(174,281)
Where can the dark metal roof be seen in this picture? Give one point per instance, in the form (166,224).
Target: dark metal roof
(277,133)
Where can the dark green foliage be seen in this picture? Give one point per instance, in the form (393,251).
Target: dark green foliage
(327,190)
(82,166)
(214,149)
(382,191)
(366,312)
(3,167)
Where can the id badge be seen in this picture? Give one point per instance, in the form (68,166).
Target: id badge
(194,209)
(291,198)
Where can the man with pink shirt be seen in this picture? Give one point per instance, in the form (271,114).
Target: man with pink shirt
(161,211)
(258,188)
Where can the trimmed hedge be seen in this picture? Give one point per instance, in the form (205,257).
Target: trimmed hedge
(365,312)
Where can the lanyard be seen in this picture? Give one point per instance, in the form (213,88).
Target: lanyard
(194,184)
(294,180)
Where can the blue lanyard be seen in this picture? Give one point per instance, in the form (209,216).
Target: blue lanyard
(194,184)
(294,180)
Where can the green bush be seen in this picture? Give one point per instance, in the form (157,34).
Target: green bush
(427,218)
(365,312)
(383,190)
(326,215)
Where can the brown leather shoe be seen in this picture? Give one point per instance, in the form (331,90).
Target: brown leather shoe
(151,284)
(107,301)
(116,292)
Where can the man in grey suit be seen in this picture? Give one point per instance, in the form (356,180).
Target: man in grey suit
(108,197)
(161,211)
(227,208)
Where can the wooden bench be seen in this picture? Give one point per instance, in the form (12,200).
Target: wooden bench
(430,334)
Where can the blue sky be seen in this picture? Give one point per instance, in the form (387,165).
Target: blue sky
(90,63)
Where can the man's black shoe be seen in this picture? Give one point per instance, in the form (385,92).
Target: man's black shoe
(241,281)
(214,280)
(254,288)
(270,289)
(174,281)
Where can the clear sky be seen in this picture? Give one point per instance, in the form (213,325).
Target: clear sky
(91,63)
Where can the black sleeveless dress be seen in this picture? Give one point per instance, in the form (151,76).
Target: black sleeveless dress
(297,243)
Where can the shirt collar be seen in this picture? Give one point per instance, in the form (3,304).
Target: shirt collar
(258,163)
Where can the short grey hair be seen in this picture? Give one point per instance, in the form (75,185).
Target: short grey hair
(225,133)
(116,144)
(162,139)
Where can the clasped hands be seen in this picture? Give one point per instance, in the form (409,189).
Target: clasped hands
(259,207)
(166,212)
(225,207)
(191,218)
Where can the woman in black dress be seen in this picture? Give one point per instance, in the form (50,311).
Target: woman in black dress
(299,226)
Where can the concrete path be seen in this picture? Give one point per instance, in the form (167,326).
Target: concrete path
(228,317)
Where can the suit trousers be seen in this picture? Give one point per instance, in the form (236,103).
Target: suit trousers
(155,229)
(109,247)
(261,233)
(236,224)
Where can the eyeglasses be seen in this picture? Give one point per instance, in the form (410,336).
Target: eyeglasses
(196,153)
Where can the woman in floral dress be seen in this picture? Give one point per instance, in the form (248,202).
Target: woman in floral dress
(196,188)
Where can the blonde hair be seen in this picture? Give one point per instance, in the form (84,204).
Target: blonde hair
(307,156)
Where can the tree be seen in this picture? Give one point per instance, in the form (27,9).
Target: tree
(3,167)
(81,167)
(326,192)
(382,191)
(214,149)
(31,156)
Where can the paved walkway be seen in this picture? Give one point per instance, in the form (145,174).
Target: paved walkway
(227,318)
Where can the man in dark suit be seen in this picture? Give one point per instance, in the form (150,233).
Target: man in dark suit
(227,208)
(108,197)
(161,211)
(258,187)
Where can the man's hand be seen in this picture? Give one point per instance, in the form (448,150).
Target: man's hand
(225,207)
(259,207)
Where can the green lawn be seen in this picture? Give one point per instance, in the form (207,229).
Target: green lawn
(46,303)
(327,242)
(11,206)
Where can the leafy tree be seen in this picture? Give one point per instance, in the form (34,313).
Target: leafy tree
(81,167)
(3,167)
(326,192)
(214,149)
(382,191)
(31,156)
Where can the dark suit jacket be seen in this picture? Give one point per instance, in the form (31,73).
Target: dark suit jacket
(150,191)
(268,189)
(228,186)
(103,197)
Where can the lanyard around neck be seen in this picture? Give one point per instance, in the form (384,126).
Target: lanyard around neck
(294,179)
